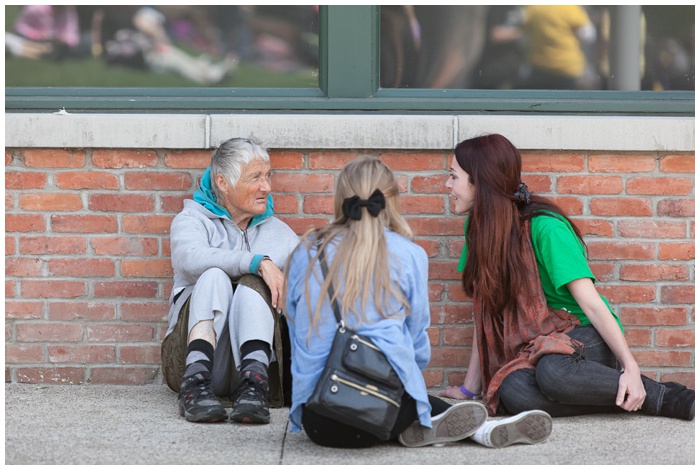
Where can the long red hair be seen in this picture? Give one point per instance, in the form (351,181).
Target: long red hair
(495,267)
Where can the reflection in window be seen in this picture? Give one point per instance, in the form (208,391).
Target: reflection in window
(538,47)
(161,46)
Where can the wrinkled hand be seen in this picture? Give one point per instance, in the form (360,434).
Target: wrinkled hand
(273,277)
(453,392)
(630,391)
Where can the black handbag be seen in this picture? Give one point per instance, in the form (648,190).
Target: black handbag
(358,386)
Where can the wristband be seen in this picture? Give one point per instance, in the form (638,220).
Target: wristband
(464,390)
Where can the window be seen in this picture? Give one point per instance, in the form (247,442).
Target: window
(346,71)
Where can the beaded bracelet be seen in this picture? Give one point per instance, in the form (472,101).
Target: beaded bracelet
(469,394)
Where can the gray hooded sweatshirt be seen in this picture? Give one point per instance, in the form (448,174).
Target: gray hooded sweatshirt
(203,236)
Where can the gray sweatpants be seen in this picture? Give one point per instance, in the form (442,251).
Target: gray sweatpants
(239,315)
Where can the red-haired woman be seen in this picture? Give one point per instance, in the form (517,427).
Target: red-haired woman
(544,339)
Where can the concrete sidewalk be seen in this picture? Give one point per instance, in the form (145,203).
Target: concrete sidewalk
(101,424)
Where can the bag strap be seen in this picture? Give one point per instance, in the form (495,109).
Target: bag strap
(331,291)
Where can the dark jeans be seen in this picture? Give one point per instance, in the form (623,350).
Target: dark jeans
(330,433)
(583,383)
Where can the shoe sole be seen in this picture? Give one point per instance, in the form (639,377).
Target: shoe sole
(248,417)
(206,416)
(529,427)
(454,424)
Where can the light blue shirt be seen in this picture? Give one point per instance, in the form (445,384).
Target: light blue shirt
(403,339)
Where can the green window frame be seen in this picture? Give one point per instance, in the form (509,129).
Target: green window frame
(348,81)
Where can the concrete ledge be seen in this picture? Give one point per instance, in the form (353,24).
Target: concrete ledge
(348,131)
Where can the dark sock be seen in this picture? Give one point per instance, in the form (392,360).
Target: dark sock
(200,357)
(255,356)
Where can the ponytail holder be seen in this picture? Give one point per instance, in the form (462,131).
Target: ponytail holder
(352,206)
(523,194)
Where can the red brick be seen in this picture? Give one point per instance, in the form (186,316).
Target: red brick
(80,267)
(53,289)
(331,160)
(158,224)
(685,378)
(165,247)
(86,180)
(139,355)
(540,184)
(594,227)
(285,160)
(675,338)
(302,182)
(51,375)
(422,204)
(432,378)
(123,375)
(455,292)
(119,332)
(121,246)
(24,353)
(552,163)
(443,270)
(653,316)
(570,205)
(84,354)
(53,158)
(302,224)
(50,202)
(603,271)
(621,206)
(660,186)
(651,229)
(654,272)
(458,336)
(8,156)
(10,287)
(439,226)
(169,181)
(23,310)
(620,250)
(435,291)
(318,205)
(452,314)
(431,247)
(678,295)
(430,184)
(449,357)
(197,159)
(676,251)
(144,311)
(624,294)
(412,161)
(120,158)
(121,202)
(286,204)
(59,245)
(147,268)
(49,332)
(678,164)
(24,180)
(125,289)
(22,267)
(24,223)
(589,185)
(663,358)
(621,163)
(638,337)
(84,223)
(91,311)
(676,208)
(174,203)
(9,202)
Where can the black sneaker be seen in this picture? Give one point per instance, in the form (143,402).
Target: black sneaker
(251,400)
(198,403)
(678,402)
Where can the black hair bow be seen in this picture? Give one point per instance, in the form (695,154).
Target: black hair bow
(523,194)
(352,206)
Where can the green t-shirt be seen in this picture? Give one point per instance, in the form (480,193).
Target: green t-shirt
(561,258)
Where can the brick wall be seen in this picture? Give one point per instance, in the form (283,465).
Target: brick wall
(87,269)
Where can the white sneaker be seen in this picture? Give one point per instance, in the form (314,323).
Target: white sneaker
(454,424)
(529,427)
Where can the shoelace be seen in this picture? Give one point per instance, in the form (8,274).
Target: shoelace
(250,390)
(202,389)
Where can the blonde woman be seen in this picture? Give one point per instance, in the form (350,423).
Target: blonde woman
(381,280)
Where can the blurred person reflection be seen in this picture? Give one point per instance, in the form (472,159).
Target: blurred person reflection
(555,55)
(400,43)
(503,55)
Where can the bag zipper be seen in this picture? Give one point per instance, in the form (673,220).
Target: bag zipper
(335,378)
(366,343)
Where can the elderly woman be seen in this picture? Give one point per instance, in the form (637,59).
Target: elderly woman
(227,253)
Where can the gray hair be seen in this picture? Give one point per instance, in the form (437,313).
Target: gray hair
(230,158)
